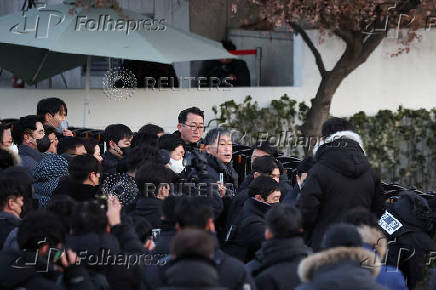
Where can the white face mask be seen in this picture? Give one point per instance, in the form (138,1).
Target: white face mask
(176,165)
(63,125)
(13,148)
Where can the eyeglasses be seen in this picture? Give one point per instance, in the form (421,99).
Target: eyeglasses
(194,127)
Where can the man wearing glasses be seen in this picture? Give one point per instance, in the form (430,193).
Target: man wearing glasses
(191,127)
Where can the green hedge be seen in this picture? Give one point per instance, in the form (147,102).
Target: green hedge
(400,145)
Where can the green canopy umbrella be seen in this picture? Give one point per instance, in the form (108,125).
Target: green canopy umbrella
(39,43)
(32,40)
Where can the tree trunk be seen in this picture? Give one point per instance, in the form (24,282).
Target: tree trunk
(355,54)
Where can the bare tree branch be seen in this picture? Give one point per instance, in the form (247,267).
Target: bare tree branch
(370,44)
(313,49)
(345,35)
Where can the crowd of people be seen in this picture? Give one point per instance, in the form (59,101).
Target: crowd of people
(161,210)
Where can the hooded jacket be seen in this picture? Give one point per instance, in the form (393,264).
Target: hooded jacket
(340,268)
(340,180)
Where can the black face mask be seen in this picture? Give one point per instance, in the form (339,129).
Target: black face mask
(125,150)
(43,144)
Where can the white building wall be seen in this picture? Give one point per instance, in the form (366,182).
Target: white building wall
(381,83)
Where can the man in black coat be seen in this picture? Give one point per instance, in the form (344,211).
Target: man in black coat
(196,213)
(249,233)
(118,138)
(264,165)
(153,182)
(282,251)
(217,179)
(192,266)
(83,180)
(36,265)
(409,225)
(341,179)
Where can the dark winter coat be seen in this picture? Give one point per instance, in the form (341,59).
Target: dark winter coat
(163,241)
(7,223)
(29,157)
(78,191)
(236,206)
(192,274)
(209,179)
(18,270)
(106,247)
(341,179)
(110,163)
(250,230)
(411,243)
(340,269)
(149,208)
(231,271)
(292,197)
(280,259)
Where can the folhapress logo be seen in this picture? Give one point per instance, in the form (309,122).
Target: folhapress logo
(107,23)
(38,23)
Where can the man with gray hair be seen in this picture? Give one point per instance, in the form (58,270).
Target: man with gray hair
(218,180)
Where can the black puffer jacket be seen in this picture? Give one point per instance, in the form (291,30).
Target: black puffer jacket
(280,259)
(340,269)
(341,179)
